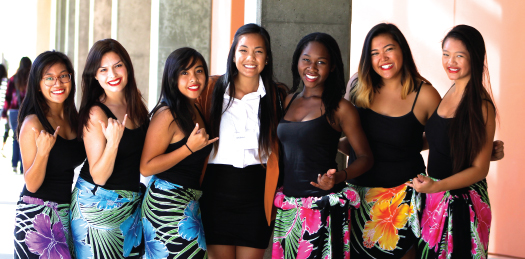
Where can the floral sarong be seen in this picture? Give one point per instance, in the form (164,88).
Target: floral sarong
(313,227)
(105,223)
(172,221)
(386,225)
(456,223)
(42,229)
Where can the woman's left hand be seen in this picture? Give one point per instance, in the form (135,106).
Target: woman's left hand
(325,181)
(423,184)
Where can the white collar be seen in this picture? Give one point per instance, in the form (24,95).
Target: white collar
(260,93)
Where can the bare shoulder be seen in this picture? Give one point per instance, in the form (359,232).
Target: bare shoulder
(429,93)
(96,114)
(346,106)
(288,99)
(30,122)
(162,114)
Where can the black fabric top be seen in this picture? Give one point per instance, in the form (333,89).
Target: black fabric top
(309,149)
(126,171)
(187,172)
(63,158)
(439,158)
(396,144)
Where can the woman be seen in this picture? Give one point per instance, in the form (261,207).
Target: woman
(313,207)
(175,151)
(456,215)
(16,91)
(243,107)
(3,75)
(105,207)
(50,153)
(394,103)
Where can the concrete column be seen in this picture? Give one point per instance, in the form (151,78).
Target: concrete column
(69,40)
(81,42)
(180,24)
(133,32)
(60,26)
(100,20)
(287,22)
(43,25)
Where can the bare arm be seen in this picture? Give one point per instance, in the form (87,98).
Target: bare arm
(161,132)
(102,143)
(477,172)
(35,145)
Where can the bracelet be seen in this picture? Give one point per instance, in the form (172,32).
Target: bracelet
(188,148)
(346,174)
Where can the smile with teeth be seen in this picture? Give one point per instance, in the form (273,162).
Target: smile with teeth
(58,91)
(249,66)
(114,82)
(194,87)
(453,70)
(311,77)
(387,66)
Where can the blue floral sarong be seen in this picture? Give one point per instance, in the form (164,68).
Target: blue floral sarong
(172,221)
(105,223)
(42,229)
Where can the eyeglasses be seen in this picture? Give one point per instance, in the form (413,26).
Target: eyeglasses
(51,80)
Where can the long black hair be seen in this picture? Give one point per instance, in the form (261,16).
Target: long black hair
(22,73)
(468,127)
(369,81)
(35,102)
(170,95)
(270,109)
(92,91)
(334,86)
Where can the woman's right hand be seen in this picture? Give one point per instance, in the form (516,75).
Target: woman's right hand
(114,131)
(45,141)
(198,139)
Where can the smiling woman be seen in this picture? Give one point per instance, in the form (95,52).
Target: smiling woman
(50,152)
(105,208)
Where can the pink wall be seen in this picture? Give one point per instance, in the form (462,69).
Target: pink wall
(502,24)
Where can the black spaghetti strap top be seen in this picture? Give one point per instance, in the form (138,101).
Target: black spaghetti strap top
(439,157)
(396,144)
(309,149)
(126,171)
(187,172)
(63,158)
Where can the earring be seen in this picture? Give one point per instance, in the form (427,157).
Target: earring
(266,63)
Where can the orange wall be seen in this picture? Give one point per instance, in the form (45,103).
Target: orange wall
(424,24)
(237,19)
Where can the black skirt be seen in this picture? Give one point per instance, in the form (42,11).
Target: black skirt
(232,206)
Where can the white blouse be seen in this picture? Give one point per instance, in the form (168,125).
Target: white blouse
(239,131)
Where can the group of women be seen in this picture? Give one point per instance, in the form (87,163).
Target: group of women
(222,145)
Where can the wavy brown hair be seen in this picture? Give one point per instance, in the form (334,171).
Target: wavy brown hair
(369,82)
(92,92)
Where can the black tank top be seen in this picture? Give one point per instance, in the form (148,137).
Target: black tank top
(126,171)
(187,172)
(63,158)
(439,158)
(396,144)
(309,149)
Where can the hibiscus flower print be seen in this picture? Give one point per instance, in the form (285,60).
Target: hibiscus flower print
(387,216)
(483,215)
(434,217)
(191,226)
(154,248)
(47,241)
(378,194)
